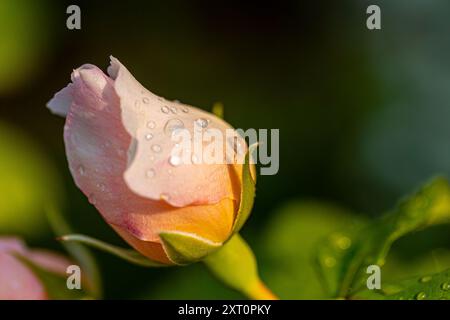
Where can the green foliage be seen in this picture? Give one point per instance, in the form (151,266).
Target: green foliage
(28,183)
(187,283)
(23,41)
(289,244)
(79,253)
(434,287)
(427,207)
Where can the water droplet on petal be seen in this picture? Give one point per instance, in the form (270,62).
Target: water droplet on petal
(420,296)
(145,100)
(148,136)
(175,161)
(81,170)
(156,148)
(164,196)
(92,199)
(173,125)
(151,124)
(194,159)
(150,173)
(185,109)
(202,122)
(173,109)
(165,109)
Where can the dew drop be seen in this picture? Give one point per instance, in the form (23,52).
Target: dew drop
(145,100)
(185,109)
(164,196)
(420,296)
(425,279)
(175,161)
(172,125)
(445,286)
(165,109)
(148,136)
(150,173)
(330,262)
(343,242)
(202,122)
(81,170)
(151,124)
(92,199)
(194,159)
(156,148)
(173,109)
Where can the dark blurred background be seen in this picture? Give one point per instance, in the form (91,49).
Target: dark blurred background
(363,115)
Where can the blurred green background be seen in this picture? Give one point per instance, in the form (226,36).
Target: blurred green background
(363,118)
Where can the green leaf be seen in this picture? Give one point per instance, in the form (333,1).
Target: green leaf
(235,265)
(429,287)
(288,246)
(247,192)
(427,207)
(184,248)
(129,255)
(78,252)
(217,109)
(24,169)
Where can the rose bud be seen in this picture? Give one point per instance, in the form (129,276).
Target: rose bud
(18,281)
(119,141)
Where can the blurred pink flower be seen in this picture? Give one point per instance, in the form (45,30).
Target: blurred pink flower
(17,280)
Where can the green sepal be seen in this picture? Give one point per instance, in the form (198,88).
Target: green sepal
(235,265)
(183,248)
(129,255)
(247,192)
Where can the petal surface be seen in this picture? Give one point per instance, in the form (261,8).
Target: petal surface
(153,172)
(17,281)
(110,157)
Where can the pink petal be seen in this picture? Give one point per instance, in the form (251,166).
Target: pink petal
(49,261)
(44,259)
(12,245)
(18,282)
(109,155)
(147,118)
